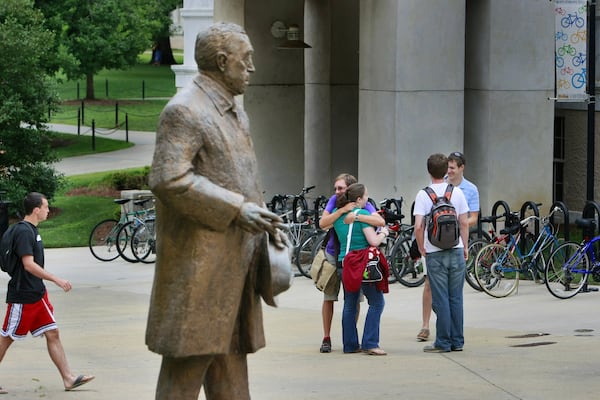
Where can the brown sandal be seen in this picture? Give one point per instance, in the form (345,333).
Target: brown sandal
(376,352)
(423,335)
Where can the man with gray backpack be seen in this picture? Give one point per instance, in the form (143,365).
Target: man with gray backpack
(441,232)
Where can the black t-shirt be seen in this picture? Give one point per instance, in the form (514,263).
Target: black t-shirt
(23,287)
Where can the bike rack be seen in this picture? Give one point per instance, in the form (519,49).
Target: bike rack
(590,209)
(498,204)
(530,205)
(565,212)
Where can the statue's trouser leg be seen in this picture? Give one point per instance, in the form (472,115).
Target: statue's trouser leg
(225,377)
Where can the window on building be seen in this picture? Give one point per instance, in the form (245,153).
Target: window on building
(559,159)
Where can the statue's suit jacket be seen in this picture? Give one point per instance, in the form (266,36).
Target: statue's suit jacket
(209,273)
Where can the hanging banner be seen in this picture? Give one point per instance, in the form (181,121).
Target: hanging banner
(571,50)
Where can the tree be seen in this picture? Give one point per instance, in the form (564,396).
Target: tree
(101,34)
(28,63)
(161,37)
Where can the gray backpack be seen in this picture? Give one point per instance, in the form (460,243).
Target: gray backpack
(442,220)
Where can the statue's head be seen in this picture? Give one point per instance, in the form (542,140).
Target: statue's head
(224,52)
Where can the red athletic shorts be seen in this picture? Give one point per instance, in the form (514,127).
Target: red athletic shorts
(21,319)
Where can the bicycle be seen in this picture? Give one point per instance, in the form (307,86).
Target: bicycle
(478,240)
(406,269)
(571,264)
(498,267)
(103,237)
(138,219)
(143,241)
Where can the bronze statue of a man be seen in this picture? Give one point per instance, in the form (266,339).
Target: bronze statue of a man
(212,265)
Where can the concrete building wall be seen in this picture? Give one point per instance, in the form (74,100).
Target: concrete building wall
(411,91)
(274,100)
(389,82)
(508,117)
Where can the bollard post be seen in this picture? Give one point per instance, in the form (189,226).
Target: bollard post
(126,128)
(94,134)
(116,113)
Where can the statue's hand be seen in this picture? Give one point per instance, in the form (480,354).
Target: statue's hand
(279,239)
(256,219)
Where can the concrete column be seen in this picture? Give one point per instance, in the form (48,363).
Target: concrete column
(196,15)
(317,102)
(275,98)
(508,117)
(411,91)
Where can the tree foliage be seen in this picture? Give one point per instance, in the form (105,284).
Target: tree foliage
(161,37)
(29,60)
(101,34)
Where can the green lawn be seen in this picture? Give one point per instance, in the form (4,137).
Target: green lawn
(137,94)
(86,200)
(67,145)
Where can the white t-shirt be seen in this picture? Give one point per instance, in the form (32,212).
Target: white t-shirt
(423,206)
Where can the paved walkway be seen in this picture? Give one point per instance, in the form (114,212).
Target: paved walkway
(527,346)
(103,321)
(136,156)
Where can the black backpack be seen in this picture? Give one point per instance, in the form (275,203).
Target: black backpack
(8,258)
(442,220)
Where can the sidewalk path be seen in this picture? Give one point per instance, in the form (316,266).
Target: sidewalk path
(103,322)
(139,155)
(529,346)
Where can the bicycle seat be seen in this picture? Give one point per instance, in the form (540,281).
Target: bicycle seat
(141,202)
(391,217)
(121,201)
(585,223)
(491,218)
(511,230)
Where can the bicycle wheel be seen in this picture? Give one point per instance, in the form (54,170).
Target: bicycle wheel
(305,253)
(143,242)
(567,270)
(474,247)
(407,271)
(103,239)
(536,267)
(496,270)
(124,240)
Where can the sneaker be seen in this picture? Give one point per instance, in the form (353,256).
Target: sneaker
(456,348)
(433,349)
(326,346)
(423,335)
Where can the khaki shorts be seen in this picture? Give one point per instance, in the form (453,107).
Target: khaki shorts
(333,296)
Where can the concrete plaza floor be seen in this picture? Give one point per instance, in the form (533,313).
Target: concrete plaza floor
(102,322)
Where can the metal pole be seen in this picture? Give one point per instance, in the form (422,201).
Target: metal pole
(591,69)
(116,113)
(94,134)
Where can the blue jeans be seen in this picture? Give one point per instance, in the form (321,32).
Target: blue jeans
(370,339)
(446,274)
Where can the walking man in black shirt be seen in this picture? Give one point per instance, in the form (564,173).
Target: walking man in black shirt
(29,309)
